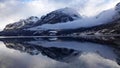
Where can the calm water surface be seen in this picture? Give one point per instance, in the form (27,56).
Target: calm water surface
(58,53)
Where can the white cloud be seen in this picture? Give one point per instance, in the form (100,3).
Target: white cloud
(13,10)
(97,61)
(94,7)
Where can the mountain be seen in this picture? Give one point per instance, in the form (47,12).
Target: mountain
(67,22)
(58,16)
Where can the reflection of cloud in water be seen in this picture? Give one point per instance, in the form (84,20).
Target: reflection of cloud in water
(93,60)
(87,60)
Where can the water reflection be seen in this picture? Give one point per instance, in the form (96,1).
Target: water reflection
(60,52)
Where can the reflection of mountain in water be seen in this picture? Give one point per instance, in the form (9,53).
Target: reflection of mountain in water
(59,54)
(66,49)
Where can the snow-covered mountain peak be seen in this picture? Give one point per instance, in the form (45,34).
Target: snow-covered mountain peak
(68,11)
(22,23)
(59,16)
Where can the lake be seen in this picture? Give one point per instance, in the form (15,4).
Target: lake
(52,52)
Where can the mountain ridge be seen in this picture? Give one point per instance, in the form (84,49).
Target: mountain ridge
(66,21)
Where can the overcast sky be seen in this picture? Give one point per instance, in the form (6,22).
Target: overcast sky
(13,10)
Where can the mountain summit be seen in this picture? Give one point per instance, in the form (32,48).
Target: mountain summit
(59,16)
